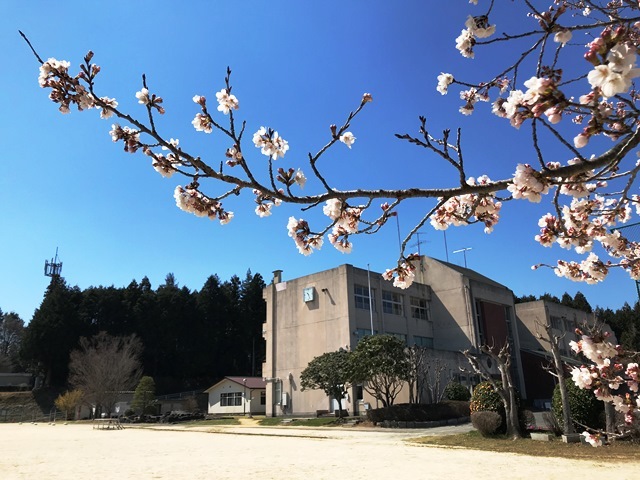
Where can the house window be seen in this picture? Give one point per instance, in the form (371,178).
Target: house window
(359,392)
(361,295)
(556,322)
(263,397)
(392,303)
(419,308)
(231,399)
(423,341)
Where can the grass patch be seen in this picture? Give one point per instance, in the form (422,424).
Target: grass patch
(299,422)
(617,452)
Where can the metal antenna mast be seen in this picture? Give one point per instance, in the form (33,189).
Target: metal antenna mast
(53,268)
(464,252)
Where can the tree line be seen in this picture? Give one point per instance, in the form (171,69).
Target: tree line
(189,338)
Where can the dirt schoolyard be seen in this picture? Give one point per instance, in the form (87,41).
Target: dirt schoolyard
(44,451)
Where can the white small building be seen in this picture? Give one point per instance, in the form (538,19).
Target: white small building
(237,396)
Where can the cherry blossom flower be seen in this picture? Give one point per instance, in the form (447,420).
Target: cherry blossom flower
(333,208)
(51,68)
(271,144)
(479,26)
(347,138)
(143,96)
(562,37)
(300,179)
(593,440)
(528,184)
(304,240)
(192,201)
(202,123)
(403,275)
(444,80)
(615,76)
(339,239)
(110,103)
(226,101)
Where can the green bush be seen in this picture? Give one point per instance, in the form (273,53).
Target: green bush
(411,412)
(486,399)
(456,391)
(586,409)
(487,423)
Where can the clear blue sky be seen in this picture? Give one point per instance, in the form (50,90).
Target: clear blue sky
(297,69)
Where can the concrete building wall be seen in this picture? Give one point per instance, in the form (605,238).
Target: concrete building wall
(532,316)
(296,330)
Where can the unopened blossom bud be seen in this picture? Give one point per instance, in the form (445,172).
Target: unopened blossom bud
(333,130)
(366,98)
(581,140)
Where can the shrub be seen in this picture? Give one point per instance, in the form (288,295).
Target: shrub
(486,399)
(456,391)
(586,409)
(411,412)
(487,423)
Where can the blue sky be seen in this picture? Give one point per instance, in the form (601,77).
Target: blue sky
(296,69)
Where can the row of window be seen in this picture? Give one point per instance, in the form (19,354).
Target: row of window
(392,302)
(417,339)
(234,399)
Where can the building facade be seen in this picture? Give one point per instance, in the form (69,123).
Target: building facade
(446,309)
(535,351)
(237,396)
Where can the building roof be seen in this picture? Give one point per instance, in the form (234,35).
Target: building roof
(251,382)
(467,272)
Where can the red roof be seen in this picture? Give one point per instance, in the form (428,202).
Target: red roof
(251,382)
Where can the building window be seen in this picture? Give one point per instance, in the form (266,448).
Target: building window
(392,303)
(232,399)
(423,341)
(360,333)
(263,397)
(556,322)
(400,336)
(277,392)
(419,308)
(361,295)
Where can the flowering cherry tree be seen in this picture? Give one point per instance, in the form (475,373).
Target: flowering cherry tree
(567,76)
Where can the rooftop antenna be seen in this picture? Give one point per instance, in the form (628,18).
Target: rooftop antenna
(53,268)
(464,252)
(418,243)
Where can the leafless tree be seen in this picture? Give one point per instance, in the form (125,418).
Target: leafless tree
(557,369)
(506,389)
(104,366)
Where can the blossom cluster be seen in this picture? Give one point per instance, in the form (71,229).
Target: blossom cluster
(305,241)
(477,27)
(190,200)
(469,208)
(608,376)
(404,274)
(265,203)
(270,143)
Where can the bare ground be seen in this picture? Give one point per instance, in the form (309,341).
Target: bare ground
(44,451)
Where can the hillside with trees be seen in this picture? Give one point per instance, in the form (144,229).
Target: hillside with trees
(190,338)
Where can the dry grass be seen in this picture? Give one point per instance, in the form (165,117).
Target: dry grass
(617,452)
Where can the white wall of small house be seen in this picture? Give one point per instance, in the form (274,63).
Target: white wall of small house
(249,399)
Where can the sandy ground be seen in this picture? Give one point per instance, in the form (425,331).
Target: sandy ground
(67,452)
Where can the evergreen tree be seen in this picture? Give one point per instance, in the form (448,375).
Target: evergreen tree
(53,332)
